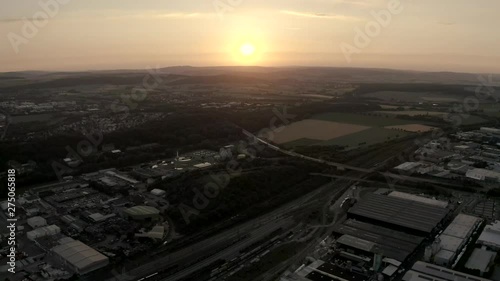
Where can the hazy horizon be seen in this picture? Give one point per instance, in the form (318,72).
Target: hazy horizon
(453,36)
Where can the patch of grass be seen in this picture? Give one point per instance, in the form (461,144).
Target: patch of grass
(367,119)
(366,138)
(300,142)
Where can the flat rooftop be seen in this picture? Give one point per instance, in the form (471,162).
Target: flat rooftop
(393,244)
(422,271)
(399,212)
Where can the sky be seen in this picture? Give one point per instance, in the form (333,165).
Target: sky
(444,35)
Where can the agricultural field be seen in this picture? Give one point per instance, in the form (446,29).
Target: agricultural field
(491,109)
(366,138)
(386,106)
(316,130)
(413,113)
(31,118)
(414,128)
(348,130)
(415,97)
(366,119)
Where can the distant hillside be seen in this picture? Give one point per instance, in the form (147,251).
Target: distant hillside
(183,75)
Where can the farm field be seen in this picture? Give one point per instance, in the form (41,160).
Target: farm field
(366,138)
(31,118)
(362,119)
(413,112)
(349,130)
(386,106)
(415,128)
(492,109)
(316,130)
(413,96)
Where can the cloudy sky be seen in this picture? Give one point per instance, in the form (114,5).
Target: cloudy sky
(444,35)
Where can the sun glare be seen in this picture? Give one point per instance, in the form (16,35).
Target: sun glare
(247,49)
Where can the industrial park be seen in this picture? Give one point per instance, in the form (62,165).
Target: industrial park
(231,140)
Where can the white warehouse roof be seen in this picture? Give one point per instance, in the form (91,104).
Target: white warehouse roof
(35,222)
(491,235)
(158,192)
(81,257)
(450,243)
(482,174)
(408,166)
(43,231)
(481,259)
(462,226)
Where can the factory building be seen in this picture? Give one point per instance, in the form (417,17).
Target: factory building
(43,231)
(142,213)
(481,260)
(36,222)
(379,240)
(454,238)
(490,237)
(158,192)
(399,214)
(483,175)
(420,199)
(422,271)
(78,257)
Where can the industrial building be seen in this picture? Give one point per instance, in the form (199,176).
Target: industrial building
(425,200)
(142,213)
(398,214)
(490,236)
(481,260)
(422,271)
(483,175)
(158,192)
(36,222)
(43,231)
(384,241)
(79,257)
(454,238)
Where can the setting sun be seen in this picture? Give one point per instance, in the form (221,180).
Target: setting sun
(247,49)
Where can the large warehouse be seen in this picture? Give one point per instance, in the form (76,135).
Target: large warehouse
(142,213)
(387,242)
(454,238)
(399,214)
(79,257)
(422,271)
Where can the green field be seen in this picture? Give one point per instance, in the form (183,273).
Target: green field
(414,97)
(412,112)
(366,138)
(365,120)
(300,142)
